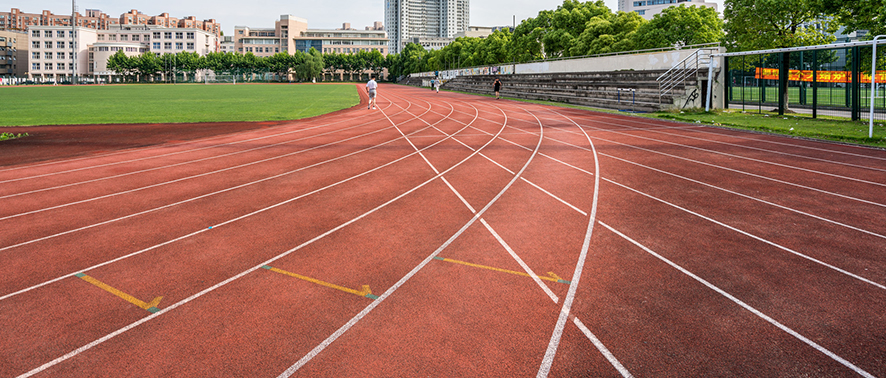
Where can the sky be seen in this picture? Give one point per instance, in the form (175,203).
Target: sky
(328,14)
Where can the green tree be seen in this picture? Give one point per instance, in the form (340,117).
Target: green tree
(121,64)
(608,33)
(681,26)
(770,24)
(856,15)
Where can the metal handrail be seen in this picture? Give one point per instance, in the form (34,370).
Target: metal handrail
(681,71)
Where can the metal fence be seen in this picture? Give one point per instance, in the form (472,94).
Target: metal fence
(831,80)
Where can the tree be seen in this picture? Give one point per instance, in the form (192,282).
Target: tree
(608,33)
(121,64)
(772,24)
(856,15)
(681,26)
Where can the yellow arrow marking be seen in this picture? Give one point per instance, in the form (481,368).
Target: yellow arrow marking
(551,276)
(150,306)
(364,292)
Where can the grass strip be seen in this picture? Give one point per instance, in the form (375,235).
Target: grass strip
(132,103)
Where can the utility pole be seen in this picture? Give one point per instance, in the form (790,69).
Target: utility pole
(74,42)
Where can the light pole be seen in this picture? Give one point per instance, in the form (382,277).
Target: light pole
(873,86)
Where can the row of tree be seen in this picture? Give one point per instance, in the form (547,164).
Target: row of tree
(575,28)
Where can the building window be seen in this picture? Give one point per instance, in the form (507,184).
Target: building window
(100,37)
(60,55)
(47,44)
(112,37)
(124,37)
(59,66)
(167,45)
(47,55)
(135,38)
(60,44)
(156,35)
(641,11)
(35,66)
(35,55)
(35,33)
(36,44)
(167,35)
(190,35)
(190,45)
(156,45)
(60,33)
(178,46)
(179,35)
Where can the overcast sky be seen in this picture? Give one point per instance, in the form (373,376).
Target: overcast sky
(320,14)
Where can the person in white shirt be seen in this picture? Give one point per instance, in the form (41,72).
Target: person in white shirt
(371,87)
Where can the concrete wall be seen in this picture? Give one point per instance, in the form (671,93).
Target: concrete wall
(638,62)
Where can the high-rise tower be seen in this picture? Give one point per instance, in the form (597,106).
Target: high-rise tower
(409,19)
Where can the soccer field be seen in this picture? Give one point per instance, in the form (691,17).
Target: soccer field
(65,105)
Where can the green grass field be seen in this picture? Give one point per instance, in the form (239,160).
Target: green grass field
(66,105)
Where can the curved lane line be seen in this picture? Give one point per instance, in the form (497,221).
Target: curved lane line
(185,162)
(329,340)
(551,352)
(244,273)
(203,229)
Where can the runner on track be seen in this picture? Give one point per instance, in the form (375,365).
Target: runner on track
(497,87)
(371,87)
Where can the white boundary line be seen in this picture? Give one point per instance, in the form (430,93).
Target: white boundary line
(548,360)
(744,305)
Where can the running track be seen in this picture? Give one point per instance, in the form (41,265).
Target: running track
(449,235)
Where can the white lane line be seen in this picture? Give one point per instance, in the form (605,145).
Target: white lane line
(774,152)
(706,129)
(555,197)
(755,237)
(179,152)
(184,178)
(737,301)
(740,157)
(522,263)
(190,177)
(602,348)
(204,229)
(739,172)
(269,262)
(329,340)
(183,163)
(548,360)
(501,241)
(750,197)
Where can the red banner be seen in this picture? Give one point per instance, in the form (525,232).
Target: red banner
(823,76)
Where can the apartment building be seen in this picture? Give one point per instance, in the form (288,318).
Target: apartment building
(13,53)
(650,8)
(268,41)
(15,19)
(343,41)
(407,20)
(57,52)
(53,51)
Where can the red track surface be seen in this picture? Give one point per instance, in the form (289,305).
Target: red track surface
(680,250)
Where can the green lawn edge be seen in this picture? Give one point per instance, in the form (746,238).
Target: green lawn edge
(171,104)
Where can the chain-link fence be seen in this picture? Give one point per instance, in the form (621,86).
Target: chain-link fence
(813,81)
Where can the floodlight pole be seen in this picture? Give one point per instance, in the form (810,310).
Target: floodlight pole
(873,86)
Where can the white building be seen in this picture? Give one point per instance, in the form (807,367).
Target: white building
(57,52)
(407,20)
(52,50)
(650,8)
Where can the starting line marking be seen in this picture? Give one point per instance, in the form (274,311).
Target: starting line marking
(551,276)
(150,306)
(364,291)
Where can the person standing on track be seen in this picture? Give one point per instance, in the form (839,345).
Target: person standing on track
(497,87)
(437,85)
(371,87)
